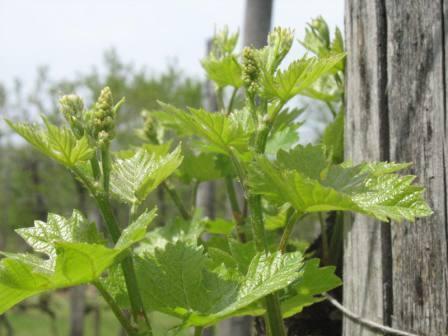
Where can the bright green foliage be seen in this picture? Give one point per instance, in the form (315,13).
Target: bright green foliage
(72,107)
(282,140)
(55,142)
(179,229)
(333,138)
(313,185)
(177,281)
(219,226)
(75,256)
(307,289)
(202,167)
(222,132)
(199,269)
(299,76)
(224,42)
(42,236)
(224,251)
(221,65)
(279,43)
(132,179)
(224,72)
(277,220)
(317,39)
(328,89)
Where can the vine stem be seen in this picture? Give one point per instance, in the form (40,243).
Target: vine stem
(174,195)
(198,331)
(127,264)
(292,217)
(177,201)
(115,309)
(236,212)
(232,100)
(95,168)
(105,164)
(273,318)
(323,229)
(367,323)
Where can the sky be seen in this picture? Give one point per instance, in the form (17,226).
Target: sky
(71,36)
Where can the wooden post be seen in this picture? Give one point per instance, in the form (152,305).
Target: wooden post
(257,22)
(395,110)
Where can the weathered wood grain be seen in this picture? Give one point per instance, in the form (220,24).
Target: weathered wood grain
(416,76)
(396,109)
(366,267)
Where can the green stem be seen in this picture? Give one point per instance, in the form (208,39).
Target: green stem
(325,246)
(239,169)
(273,318)
(236,212)
(127,264)
(331,108)
(177,201)
(95,169)
(133,213)
(198,331)
(108,215)
(256,212)
(115,309)
(291,219)
(132,279)
(105,163)
(220,99)
(231,102)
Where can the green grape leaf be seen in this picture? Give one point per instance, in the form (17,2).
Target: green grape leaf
(132,179)
(220,131)
(309,160)
(326,89)
(137,230)
(58,143)
(178,229)
(243,253)
(279,44)
(299,76)
(393,197)
(369,189)
(284,139)
(286,118)
(224,72)
(277,220)
(202,167)
(223,42)
(157,149)
(317,37)
(333,138)
(177,281)
(337,45)
(317,40)
(42,235)
(306,290)
(69,261)
(219,226)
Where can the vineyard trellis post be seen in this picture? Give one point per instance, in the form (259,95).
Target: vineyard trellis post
(396,110)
